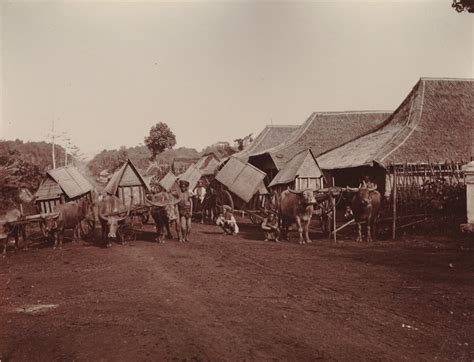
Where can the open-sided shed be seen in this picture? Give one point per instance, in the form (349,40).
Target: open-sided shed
(128,185)
(62,185)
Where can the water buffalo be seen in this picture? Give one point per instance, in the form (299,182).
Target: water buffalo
(297,207)
(365,207)
(66,216)
(112,214)
(164,211)
(10,229)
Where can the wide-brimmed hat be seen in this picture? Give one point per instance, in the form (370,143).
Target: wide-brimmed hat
(226,207)
(183,182)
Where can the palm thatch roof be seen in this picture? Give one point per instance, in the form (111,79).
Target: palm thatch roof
(168,181)
(127,175)
(192,175)
(434,123)
(304,164)
(320,132)
(241,178)
(65,180)
(208,164)
(271,136)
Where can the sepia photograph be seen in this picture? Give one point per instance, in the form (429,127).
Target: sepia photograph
(236,180)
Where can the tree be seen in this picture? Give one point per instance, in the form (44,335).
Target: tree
(241,143)
(461,5)
(160,138)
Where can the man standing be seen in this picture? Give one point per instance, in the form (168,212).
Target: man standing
(200,192)
(185,208)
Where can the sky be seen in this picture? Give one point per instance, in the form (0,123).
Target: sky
(214,71)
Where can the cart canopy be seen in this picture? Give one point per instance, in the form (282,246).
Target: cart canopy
(241,178)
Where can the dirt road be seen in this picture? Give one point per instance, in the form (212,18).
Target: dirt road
(237,298)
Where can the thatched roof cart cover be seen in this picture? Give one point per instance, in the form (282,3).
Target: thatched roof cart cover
(192,175)
(321,132)
(433,124)
(67,180)
(241,178)
(304,164)
(208,164)
(168,181)
(271,136)
(127,175)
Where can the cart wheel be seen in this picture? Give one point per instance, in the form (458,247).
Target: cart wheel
(87,228)
(225,198)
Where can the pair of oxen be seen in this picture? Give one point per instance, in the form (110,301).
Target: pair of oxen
(297,207)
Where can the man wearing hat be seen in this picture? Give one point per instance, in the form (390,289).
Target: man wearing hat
(185,208)
(227,222)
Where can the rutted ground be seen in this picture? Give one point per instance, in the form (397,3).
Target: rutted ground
(222,297)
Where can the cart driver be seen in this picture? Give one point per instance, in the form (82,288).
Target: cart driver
(226,221)
(270,228)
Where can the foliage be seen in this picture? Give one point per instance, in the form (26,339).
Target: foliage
(37,153)
(220,149)
(461,5)
(16,173)
(160,138)
(242,142)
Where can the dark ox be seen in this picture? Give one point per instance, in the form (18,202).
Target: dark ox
(164,212)
(10,229)
(297,207)
(111,212)
(66,216)
(365,207)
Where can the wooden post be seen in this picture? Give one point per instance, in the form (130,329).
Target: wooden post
(333,199)
(394,200)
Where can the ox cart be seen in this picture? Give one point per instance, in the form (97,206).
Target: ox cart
(240,186)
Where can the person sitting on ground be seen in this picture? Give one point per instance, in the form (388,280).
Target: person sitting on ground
(270,228)
(226,221)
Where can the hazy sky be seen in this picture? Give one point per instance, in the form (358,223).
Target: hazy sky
(108,71)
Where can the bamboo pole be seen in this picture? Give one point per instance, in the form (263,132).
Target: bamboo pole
(333,199)
(394,220)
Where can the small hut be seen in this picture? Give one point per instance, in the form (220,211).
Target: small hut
(128,185)
(62,185)
(300,173)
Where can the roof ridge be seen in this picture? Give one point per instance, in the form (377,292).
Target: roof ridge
(448,79)
(353,112)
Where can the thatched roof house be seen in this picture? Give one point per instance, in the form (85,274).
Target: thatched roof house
(320,132)
(128,185)
(433,124)
(61,185)
(271,136)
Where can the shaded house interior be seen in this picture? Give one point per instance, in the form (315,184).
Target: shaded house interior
(62,185)
(128,185)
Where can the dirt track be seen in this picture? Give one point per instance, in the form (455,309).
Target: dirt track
(237,298)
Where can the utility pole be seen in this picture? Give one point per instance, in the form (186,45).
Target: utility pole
(53,137)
